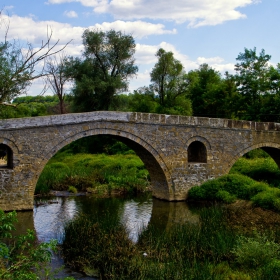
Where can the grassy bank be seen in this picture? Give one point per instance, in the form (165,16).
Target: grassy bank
(255,177)
(208,250)
(99,173)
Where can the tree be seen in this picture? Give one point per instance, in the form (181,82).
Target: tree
(104,71)
(207,92)
(19,67)
(168,77)
(57,78)
(252,80)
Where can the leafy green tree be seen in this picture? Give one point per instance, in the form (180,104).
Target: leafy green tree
(253,81)
(168,78)
(208,92)
(104,71)
(270,109)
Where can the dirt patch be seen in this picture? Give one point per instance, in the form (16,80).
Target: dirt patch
(242,215)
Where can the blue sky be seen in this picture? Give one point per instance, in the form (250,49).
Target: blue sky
(196,31)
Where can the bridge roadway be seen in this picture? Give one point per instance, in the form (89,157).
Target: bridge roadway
(178,151)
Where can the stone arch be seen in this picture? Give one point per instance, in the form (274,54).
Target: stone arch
(198,149)
(273,149)
(160,176)
(9,150)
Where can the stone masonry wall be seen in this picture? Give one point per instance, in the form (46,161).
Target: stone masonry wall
(161,141)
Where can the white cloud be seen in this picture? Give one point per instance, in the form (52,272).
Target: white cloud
(8,7)
(71,14)
(144,57)
(196,13)
(211,60)
(138,29)
(19,27)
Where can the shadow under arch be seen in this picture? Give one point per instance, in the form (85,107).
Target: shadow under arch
(11,153)
(159,173)
(198,149)
(273,149)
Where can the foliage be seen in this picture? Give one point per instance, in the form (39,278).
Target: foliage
(209,249)
(211,96)
(18,66)
(253,81)
(268,199)
(106,249)
(72,189)
(21,258)
(168,78)
(31,106)
(258,168)
(100,173)
(226,188)
(254,252)
(107,65)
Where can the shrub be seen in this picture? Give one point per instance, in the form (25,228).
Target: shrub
(72,189)
(53,176)
(259,169)
(255,252)
(237,184)
(21,257)
(256,188)
(226,188)
(271,271)
(225,196)
(267,199)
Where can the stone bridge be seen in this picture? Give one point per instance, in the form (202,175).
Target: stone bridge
(178,151)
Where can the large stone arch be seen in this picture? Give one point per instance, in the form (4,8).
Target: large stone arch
(161,181)
(273,149)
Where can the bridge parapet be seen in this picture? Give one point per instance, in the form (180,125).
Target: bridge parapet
(148,118)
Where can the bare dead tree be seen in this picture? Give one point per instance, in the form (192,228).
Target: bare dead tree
(56,78)
(20,66)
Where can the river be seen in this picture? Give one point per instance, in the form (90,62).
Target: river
(50,215)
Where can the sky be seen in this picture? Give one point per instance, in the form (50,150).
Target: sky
(196,31)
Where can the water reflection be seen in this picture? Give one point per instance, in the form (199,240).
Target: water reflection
(48,219)
(135,217)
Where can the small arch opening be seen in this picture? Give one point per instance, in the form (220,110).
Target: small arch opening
(6,156)
(197,152)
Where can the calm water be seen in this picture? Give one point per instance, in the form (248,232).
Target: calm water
(49,217)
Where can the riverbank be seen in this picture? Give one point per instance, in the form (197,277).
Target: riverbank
(94,173)
(219,246)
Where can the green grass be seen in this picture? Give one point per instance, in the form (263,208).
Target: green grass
(259,169)
(254,177)
(207,250)
(97,172)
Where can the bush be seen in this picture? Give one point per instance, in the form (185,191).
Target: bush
(21,257)
(256,188)
(52,177)
(72,189)
(268,199)
(259,169)
(226,188)
(271,271)
(82,171)
(225,196)
(255,252)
